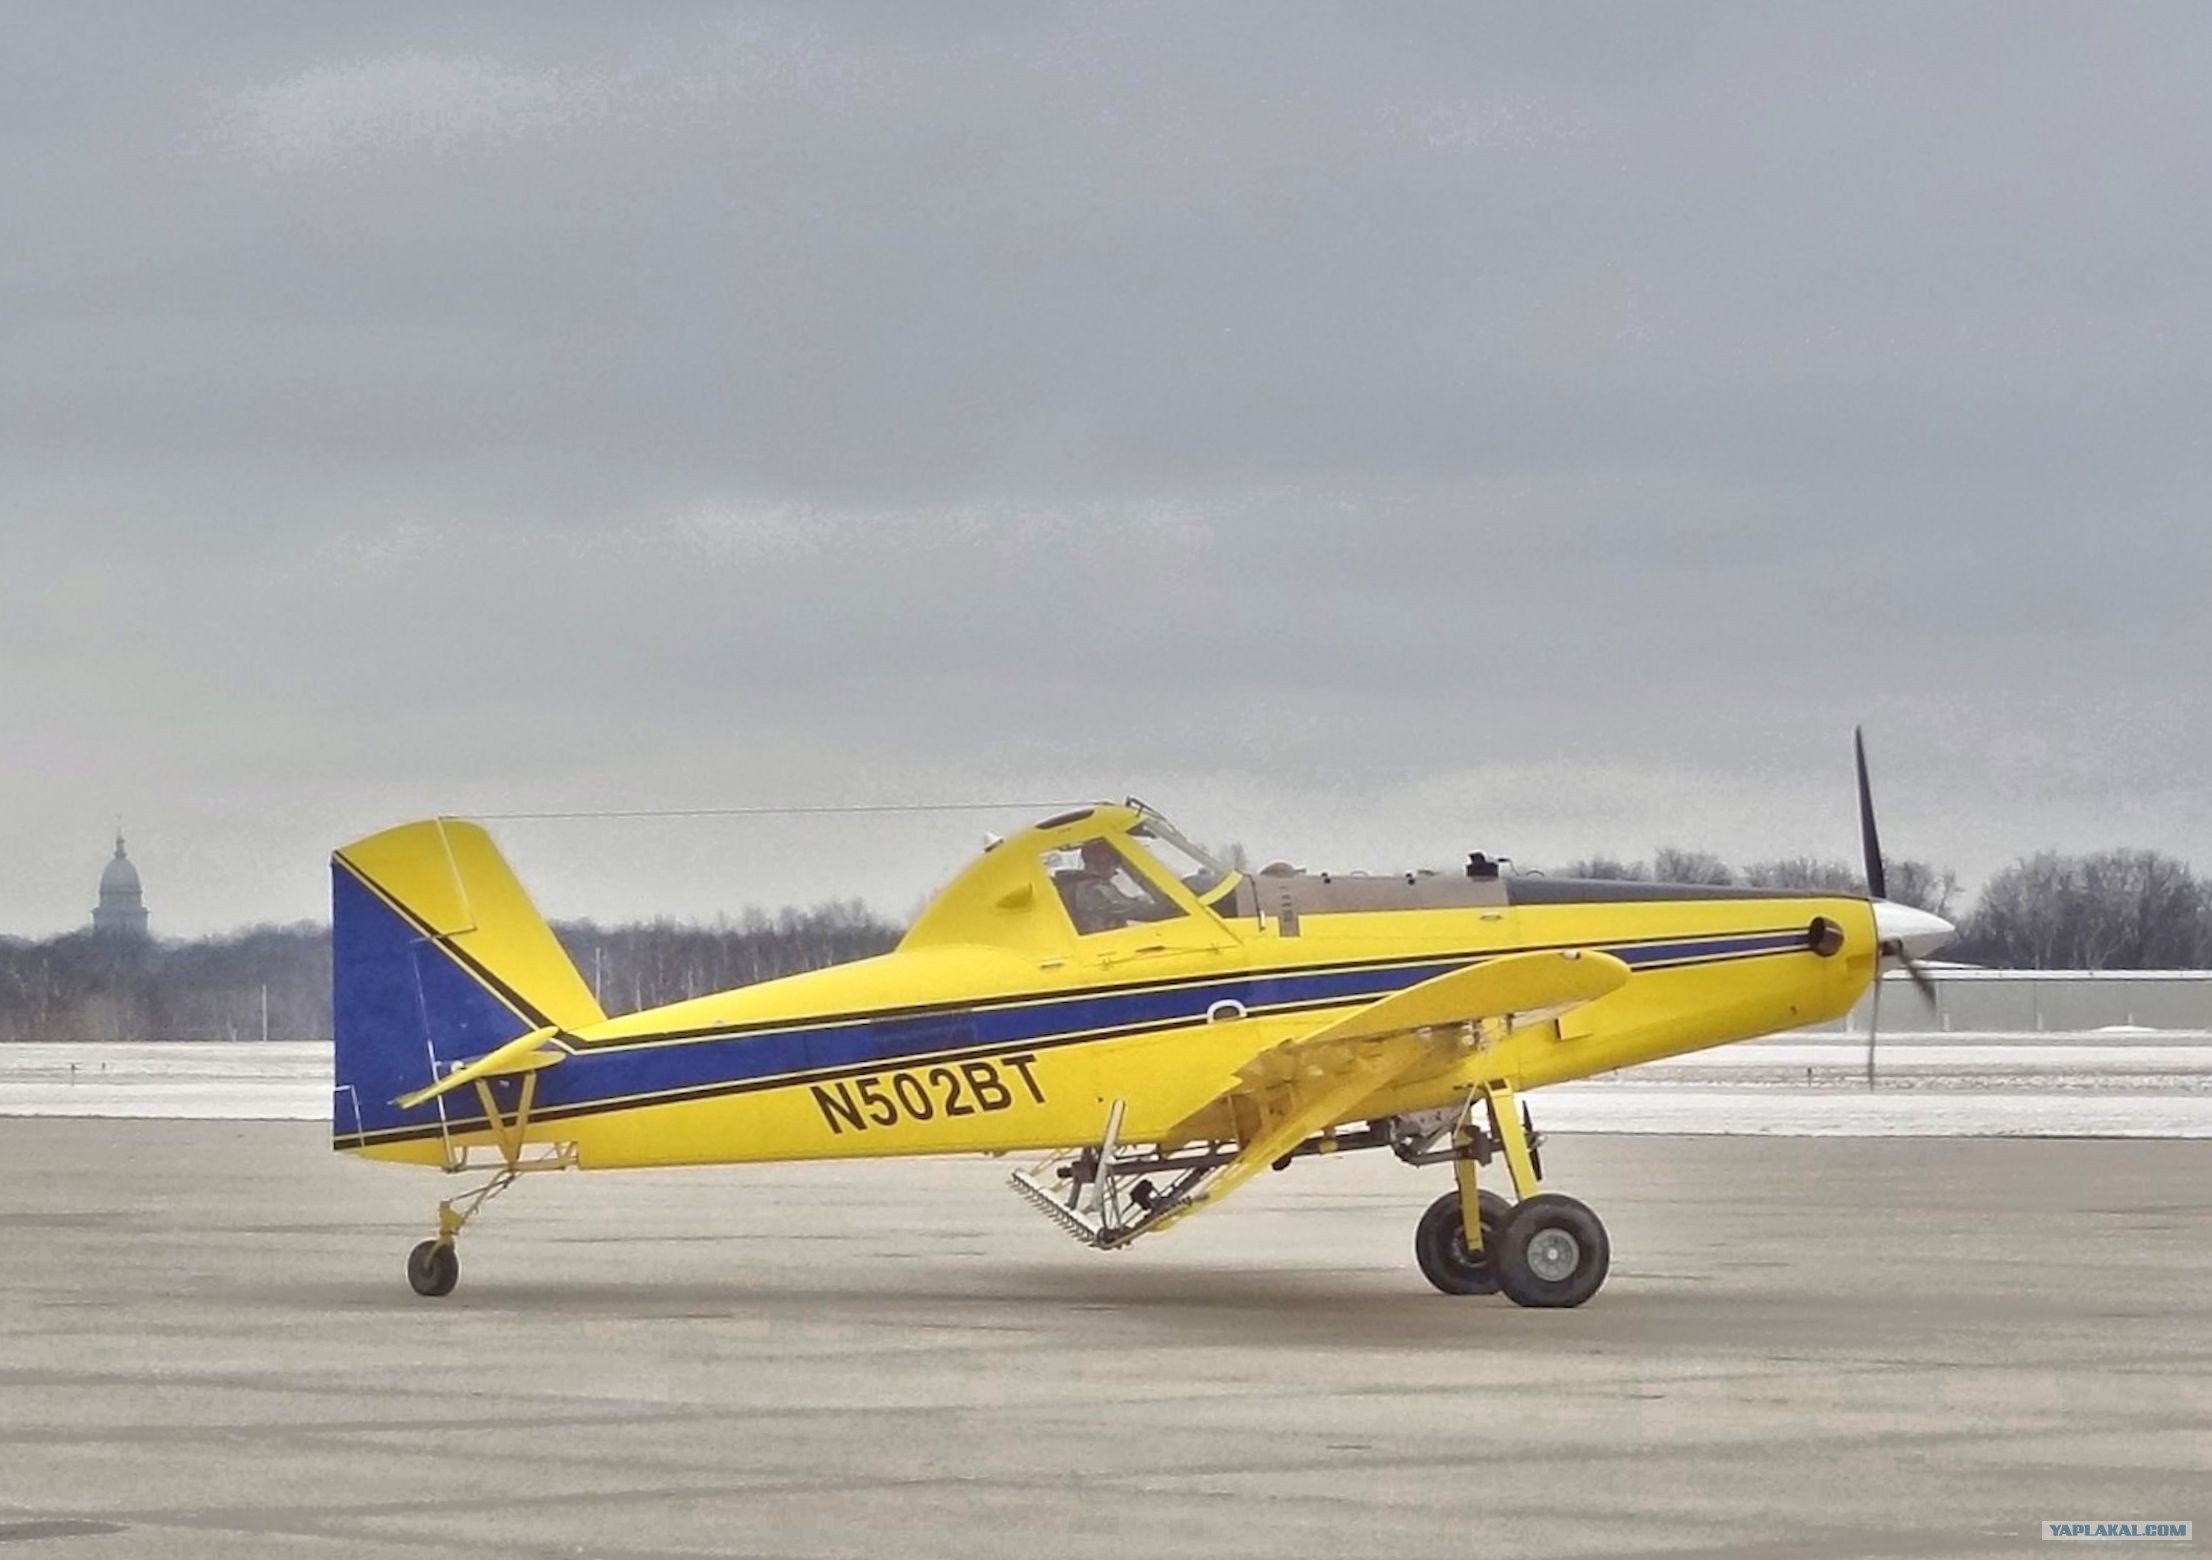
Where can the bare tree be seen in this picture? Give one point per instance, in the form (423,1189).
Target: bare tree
(652,963)
(1922,885)
(1673,864)
(1808,873)
(87,987)
(2116,909)
(1607,869)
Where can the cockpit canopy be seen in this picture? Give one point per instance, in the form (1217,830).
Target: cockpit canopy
(1095,870)
(1102,883)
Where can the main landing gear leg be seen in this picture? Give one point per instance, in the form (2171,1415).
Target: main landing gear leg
(1509,1129)
(1552,1252)
(1454,1239)
(1543,1250)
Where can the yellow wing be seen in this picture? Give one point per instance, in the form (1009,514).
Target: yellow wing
(1294,1089)
(1521,988)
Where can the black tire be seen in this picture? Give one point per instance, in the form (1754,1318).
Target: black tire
(433,1268)
(1440,1244)
(1553,1252)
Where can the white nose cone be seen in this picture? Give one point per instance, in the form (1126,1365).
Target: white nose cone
(1915,931)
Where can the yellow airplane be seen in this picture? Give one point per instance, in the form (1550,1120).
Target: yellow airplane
(1098,991)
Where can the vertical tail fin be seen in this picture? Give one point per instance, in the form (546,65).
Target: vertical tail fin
(438,957)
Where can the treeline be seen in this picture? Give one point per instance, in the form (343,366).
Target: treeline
(2108,910)
(652,963)
(2115,909)
(87,987)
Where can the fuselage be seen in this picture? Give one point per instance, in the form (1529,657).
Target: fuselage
(1004,1023)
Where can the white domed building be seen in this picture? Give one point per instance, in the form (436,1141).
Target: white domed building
(121,911)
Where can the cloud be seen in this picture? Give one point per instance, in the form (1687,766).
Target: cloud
(1355,434)
(416,101)
(402,103)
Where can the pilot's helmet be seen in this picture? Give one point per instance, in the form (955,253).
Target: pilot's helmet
(1099,858)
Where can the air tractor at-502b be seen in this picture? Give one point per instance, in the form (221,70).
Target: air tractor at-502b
(1098,992)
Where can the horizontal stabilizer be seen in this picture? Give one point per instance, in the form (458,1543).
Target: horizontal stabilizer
(525,1053)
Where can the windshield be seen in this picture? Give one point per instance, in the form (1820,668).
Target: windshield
(1189,865)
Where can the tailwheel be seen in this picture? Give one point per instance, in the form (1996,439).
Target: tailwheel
(433,1268)
(1552,1252)
(1440,1245)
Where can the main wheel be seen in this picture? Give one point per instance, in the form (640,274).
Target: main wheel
(1440,1244)
(1553,1252)
(433,1268)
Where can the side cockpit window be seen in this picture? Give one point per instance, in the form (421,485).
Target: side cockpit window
(1101,891)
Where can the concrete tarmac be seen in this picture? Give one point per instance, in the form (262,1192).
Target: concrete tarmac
(1808,1348)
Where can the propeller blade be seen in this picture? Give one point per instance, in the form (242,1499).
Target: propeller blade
(1873,1025)
(1922,981)
(1900,931)
(1877,881)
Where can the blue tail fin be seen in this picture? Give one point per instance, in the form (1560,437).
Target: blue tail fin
(438,957)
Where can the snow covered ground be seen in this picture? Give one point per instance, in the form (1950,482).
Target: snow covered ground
(2064,1107)
(2106,1084)
(198,1080)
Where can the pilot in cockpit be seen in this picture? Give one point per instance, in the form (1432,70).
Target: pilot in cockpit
(1101,894)
(1095,902)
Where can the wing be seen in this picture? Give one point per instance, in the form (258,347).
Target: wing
(1288,1092)
(1521,989)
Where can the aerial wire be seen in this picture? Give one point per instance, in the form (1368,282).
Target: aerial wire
(821,810)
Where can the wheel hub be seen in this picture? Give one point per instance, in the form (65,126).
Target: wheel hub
(1553,1255)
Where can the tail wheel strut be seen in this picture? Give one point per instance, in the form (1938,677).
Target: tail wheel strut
(434,1267)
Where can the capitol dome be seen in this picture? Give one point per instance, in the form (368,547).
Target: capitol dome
(122,906)
(119,876)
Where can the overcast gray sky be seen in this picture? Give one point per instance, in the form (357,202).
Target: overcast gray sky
(1368,432)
